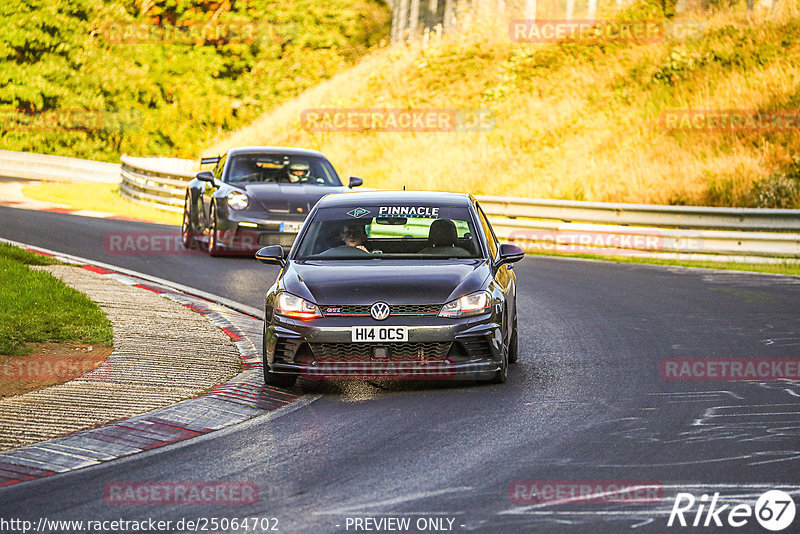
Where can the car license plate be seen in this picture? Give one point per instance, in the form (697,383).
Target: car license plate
(293,226)
(378,333)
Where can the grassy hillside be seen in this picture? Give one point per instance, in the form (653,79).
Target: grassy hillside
(97,78)
(574,120)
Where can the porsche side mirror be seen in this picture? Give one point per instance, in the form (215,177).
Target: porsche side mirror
(355,181)
(205,176)
(510,254)
(272,255)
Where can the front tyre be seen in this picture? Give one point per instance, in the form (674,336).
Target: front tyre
(513,345)
(502,374)
(213,239)
(187,232)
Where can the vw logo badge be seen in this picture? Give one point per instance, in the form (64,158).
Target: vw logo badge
(379,311)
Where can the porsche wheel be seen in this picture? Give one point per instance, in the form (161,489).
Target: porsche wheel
(187,232)
(213,240)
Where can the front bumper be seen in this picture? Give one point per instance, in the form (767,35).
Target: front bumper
(437,348)
(246,234)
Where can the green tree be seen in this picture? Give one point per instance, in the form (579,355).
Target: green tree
(42,47)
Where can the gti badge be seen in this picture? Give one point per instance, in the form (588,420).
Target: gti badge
(379,311)
(358,212)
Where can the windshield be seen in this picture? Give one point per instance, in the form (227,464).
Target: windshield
(389,232)
(281,168)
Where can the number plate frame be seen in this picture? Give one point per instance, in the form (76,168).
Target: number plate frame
(291,226)
(378,334)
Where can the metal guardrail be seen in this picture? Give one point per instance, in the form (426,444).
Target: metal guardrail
(28,166)
(562,226)
(566,226)
(645,214)
(159,181)
(581,238)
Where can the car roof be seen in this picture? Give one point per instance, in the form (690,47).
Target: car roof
(395,197)
(273,150)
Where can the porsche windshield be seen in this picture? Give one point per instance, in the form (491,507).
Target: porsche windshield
(384,232)
(281,168)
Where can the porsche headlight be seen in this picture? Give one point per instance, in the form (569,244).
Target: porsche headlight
(467,306)
(237,200)
(293,306)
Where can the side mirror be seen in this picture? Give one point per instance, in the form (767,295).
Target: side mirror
(205,176)
(272,255)
(510,254)
(355,182)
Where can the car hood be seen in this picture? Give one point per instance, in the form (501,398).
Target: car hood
(395,282)
(288,198)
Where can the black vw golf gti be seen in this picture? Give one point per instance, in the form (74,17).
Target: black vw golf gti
(392,284)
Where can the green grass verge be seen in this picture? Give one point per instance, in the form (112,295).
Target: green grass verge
(10,252)
(36,307)
(774,268)
(98,197)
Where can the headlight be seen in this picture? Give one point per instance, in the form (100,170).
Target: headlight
(237,200)
(467,306)
(292,306)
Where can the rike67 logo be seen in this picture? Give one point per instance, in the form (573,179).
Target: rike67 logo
(774,510)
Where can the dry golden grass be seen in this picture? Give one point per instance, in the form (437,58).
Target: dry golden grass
(584,129)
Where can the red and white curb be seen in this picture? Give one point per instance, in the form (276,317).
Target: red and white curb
(91,213)
(241,398)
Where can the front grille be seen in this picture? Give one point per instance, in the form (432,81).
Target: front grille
(396,309)
(394,351)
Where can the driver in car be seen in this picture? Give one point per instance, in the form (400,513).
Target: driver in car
(299,172)
(355,236)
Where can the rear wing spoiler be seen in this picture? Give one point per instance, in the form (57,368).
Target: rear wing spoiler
(214,159)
